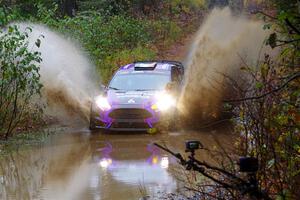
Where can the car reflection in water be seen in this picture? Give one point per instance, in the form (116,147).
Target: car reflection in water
(151,172)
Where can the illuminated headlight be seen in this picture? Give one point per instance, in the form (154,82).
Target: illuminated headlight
(105,162)
(164,163)
(164,102)
(102,103)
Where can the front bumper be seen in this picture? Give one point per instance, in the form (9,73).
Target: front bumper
(129,118)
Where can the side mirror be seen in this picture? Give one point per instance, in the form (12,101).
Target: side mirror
(170,86)
(103,87)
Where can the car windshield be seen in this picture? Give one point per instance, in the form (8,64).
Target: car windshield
(139,81)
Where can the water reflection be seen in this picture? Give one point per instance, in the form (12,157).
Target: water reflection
(30,173)
(164,163)
(20,174)
(86,166)
(149,171)
(105,162)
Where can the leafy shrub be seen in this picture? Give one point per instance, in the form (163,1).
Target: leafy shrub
(268,116)
(103,36)
(189,4)
(108,38)
(106,7)
(7,15)
(111,63)
(46,15)
(19,79)
(164,31)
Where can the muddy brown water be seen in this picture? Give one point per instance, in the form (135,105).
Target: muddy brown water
(78,164)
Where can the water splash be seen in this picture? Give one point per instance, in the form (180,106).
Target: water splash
(66,74)
(222,45)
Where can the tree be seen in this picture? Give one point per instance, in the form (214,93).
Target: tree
(69,7)
(19,79)
(267,117)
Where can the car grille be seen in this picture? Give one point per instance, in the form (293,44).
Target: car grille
(133,125)
(130,113)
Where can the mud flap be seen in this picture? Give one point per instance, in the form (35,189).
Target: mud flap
(152,130)
(92,125)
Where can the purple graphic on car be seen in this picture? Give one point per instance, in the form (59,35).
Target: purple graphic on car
(139,97)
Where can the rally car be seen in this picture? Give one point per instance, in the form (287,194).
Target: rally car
(141,96)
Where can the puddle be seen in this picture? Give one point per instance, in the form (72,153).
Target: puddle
(81,165)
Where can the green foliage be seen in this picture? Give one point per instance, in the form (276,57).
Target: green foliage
(106,7)
(111,63)
(269,125)
(164,32)
(188,4)
(8,15)
(25,8)
(46,15)
(115,40)
(109,39)
(19,79)
(103,36)
(106,28)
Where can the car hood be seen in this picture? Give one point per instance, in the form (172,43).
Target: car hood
(131,97)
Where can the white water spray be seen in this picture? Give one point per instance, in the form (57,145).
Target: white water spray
(222,45)
(66,74)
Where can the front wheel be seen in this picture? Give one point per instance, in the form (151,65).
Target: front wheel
(174,121)
(170,123)
(92,125)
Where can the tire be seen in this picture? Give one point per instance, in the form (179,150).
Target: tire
(92,125)
(173,122)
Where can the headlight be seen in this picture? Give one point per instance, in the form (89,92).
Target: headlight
(164,163)
(105,162)
(102,103)
(164,102)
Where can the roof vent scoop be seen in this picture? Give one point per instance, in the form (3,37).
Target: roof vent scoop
(144,66)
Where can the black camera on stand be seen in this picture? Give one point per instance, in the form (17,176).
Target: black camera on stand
(248,165)
(192,145)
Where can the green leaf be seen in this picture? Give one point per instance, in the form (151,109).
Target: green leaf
(270,163)
(259,85)
(38,43)
(10,29)
(267,26)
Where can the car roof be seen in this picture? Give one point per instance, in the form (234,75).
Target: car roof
(151,66)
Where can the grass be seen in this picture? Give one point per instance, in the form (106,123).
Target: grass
(110,64)
(25,139)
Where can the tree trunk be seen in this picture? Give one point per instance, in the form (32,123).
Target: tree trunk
(69,7)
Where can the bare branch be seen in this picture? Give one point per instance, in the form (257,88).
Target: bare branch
(287,21)
(265,14)
(292,78)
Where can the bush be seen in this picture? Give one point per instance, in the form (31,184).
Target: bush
(110,40)
(110,64)
(104,35)
(7,15)
(19,79)
(164,31)
(268,116)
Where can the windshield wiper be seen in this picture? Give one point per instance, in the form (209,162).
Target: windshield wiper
(113,88)
(144,89)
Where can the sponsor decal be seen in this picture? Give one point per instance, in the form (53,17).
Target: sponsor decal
(131,101)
